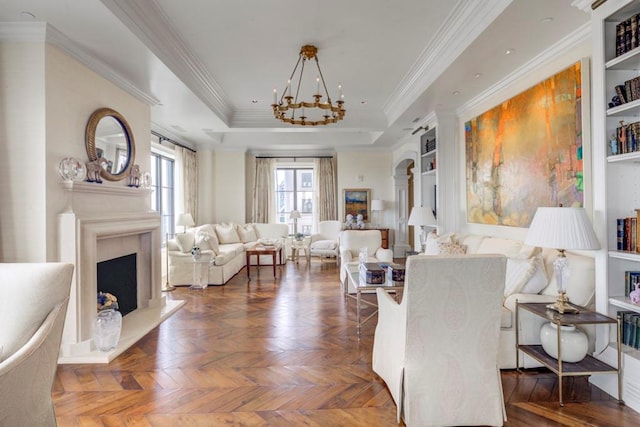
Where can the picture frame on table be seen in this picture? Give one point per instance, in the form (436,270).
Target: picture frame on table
(356,201)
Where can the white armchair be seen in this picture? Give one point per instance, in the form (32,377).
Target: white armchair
(324,243)
(437,350)
(33,305)
(351,241)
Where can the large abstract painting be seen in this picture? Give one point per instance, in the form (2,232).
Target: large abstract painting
(526,152)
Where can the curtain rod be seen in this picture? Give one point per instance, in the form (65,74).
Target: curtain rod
(164,138)
(294,157)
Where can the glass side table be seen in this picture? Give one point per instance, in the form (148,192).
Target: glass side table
(200,278)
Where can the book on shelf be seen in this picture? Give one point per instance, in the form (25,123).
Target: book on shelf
(627,234)
(622,93)
(630,328)
(628,34)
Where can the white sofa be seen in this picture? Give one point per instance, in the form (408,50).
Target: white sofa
(528,270)
(225,245)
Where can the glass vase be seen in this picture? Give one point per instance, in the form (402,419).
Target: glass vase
(106,329)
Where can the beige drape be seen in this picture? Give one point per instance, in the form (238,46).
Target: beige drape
(327,192)
(263,191)
(187,179)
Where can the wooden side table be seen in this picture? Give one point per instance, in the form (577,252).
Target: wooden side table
(262,250)
(589,365)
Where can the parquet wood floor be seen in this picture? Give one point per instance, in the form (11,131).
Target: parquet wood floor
(280,352)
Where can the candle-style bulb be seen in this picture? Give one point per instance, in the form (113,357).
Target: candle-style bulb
(275,96)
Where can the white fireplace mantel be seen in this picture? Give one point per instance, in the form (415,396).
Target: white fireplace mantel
(83,240)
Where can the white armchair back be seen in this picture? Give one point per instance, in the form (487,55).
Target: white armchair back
(437,350)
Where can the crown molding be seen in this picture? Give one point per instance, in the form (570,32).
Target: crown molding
(150,24)
(23,32)
(41,32)
(468,18)
(559,49)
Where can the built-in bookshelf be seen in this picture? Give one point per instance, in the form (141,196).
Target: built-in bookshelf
(429,168)
(616,172)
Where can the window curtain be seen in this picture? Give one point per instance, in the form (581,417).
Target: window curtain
(187,181)
(264,191)
(326,190)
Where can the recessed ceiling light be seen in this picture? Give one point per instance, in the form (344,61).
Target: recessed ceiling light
(363,102)
(477,75)
(28,15)
(509,51)
(547,20)
(456,92)
(416,120)
(254,101)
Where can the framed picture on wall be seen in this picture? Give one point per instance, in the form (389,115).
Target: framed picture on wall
(357,201)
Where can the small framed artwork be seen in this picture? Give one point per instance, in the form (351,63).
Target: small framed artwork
(357,201)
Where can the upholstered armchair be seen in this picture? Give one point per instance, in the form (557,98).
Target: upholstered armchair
(324,243)
(33,305)
(351,241)
(437,350)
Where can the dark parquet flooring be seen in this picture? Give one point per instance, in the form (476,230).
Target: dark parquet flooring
(280,352)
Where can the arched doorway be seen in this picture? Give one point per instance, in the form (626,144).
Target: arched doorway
(405,190)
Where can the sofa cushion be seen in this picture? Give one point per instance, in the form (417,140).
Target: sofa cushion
(498,245)
(323,245)
(247,233)
(233,248)
(185,241)
(227,233)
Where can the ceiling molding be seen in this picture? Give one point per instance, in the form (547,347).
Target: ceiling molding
(41,32)
(101,68)
(23,31)
(559,49)
(150,24)
(466,18)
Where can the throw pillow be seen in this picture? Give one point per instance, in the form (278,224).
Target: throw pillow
(185,241)
(525,275)
(227,233)
(452,249)
(538,280)
(207,238)
(433,240)
(247,233)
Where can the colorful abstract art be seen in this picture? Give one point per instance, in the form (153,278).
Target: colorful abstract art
(526,152)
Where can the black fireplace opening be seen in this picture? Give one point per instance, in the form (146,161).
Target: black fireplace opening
(118,276)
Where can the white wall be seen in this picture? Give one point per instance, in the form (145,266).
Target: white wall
(376,170)
(229,184)
(48,98)
(23,165)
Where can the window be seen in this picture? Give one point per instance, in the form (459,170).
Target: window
(162,178)
(294,190)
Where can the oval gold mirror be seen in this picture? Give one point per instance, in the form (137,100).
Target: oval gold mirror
(109,137)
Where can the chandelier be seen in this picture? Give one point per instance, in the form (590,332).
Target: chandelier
(293,110)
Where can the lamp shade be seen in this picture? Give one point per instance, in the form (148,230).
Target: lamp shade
(422,215)
(295,214)
(377,205)
(562,228)
(185,220)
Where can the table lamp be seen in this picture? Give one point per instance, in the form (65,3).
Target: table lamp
(563,229)
(377,206)
(295,215)
(422,216)
(185,220)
